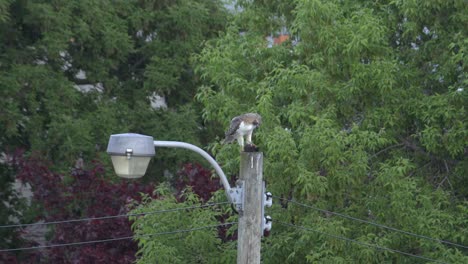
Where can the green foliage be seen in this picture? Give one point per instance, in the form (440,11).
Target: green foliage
(4,15)
(12,207)
(75,72)
(125,51)
(364,113)
(198,246)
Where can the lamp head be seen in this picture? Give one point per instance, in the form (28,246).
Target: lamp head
(130,154)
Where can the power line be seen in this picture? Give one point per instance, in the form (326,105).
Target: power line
(114,216)
(360,243)
(373,223)
(116,239)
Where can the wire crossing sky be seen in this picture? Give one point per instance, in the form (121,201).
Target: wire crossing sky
(372,223)
(117,238)
(359,242)
(114,216)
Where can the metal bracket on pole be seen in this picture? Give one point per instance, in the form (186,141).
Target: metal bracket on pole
(236,195)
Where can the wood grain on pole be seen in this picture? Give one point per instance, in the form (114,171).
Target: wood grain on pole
(250,219)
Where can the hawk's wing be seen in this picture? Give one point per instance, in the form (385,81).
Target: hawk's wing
(231,133)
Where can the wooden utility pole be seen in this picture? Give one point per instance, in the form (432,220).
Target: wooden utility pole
(250,218)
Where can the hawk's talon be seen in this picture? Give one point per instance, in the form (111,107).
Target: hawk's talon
(250,148)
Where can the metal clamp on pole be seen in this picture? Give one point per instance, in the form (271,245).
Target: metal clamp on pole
(236,196)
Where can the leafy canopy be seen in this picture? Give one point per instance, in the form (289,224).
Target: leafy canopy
(74,72)
(365,114)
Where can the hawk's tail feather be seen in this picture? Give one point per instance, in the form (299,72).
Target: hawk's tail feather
(229,139)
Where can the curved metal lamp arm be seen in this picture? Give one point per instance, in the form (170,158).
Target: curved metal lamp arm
(219,171)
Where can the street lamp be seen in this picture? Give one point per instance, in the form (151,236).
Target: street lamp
(131,153)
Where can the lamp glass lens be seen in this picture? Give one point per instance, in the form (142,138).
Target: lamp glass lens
(135,167)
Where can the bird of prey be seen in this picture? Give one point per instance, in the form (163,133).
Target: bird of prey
(241,126)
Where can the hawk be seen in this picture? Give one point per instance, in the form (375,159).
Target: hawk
(241,126)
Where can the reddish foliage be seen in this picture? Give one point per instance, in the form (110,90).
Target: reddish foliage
(204,185)
(199,179)
(86,194)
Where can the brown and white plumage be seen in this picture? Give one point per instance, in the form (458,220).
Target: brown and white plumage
(241,126)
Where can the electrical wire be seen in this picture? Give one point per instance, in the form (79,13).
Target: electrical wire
(113,216)
(360,243)
(373,223)
(117,238)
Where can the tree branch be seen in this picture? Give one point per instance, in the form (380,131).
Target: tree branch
(385,149)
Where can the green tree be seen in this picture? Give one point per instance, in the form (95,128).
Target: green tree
(74,72)
(364,114)
(12,208)
(181,236)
